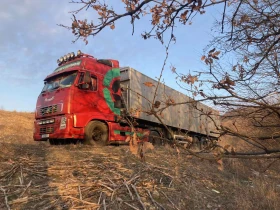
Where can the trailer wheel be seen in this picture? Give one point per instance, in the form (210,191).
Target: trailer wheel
(196,143)
(153,138)
(96,133)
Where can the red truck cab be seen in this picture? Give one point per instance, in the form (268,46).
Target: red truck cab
(81,99)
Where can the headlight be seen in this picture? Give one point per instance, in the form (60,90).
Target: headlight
(62,123)
(43,122)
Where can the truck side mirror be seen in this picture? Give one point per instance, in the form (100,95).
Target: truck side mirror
(85,81)
(85,86)
(87,78)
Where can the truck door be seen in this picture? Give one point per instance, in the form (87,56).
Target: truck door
(86,95)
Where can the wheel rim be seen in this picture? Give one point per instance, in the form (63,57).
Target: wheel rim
(97,135)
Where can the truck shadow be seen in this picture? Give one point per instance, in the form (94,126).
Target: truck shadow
(25,179)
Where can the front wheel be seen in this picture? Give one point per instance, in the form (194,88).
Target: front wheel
(96,133)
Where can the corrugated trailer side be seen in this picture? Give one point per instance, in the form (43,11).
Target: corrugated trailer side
(139,93)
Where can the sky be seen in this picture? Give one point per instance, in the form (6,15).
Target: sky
(31,42)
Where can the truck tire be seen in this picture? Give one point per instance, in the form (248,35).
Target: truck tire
(96,133)
(153,138)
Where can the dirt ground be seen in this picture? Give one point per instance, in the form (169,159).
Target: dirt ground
(36,175)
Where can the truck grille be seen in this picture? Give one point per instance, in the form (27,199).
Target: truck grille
(48,110)
(46,130)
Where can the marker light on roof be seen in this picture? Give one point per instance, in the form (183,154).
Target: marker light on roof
(68,56)
(65,58)
(72,55)
(61,59)
(79,53)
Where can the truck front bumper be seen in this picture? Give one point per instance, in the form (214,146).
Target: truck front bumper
(61,128)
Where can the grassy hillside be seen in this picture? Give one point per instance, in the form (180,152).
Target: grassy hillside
(36,175)
(16,126)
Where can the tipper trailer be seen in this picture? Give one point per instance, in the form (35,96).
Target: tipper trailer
(88,99)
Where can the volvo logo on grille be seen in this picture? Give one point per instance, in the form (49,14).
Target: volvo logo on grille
(49,99)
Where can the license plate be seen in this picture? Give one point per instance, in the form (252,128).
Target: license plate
(45,135)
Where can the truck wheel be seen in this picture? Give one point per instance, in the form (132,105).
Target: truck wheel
(153,138)
(96,133)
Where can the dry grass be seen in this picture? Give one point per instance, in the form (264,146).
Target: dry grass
(16,126)
(40,176)
(244,126)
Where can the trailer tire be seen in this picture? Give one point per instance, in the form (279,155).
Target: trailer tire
(96,133)
(153,138)
(196,143)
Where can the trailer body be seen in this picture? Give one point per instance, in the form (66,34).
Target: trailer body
(191,116)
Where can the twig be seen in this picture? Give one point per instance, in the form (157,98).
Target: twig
(138,196)
(224,13)
(109,188)
(25,189)
(112,182)
(170,200)
(170,183)
(154,201)
(6,198)
(19,200)
(104,204)
(21,174)
(99,200)
(112,195)
(10,172)
(131,195)
(270,164)
(132,179)
(52,204)
(81,197)
(130,205)
(83,201)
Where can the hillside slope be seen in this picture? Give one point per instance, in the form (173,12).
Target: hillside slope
(35,175)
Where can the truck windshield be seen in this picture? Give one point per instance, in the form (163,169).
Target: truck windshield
(60,81)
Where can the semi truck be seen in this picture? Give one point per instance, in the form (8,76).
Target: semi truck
(97,102)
